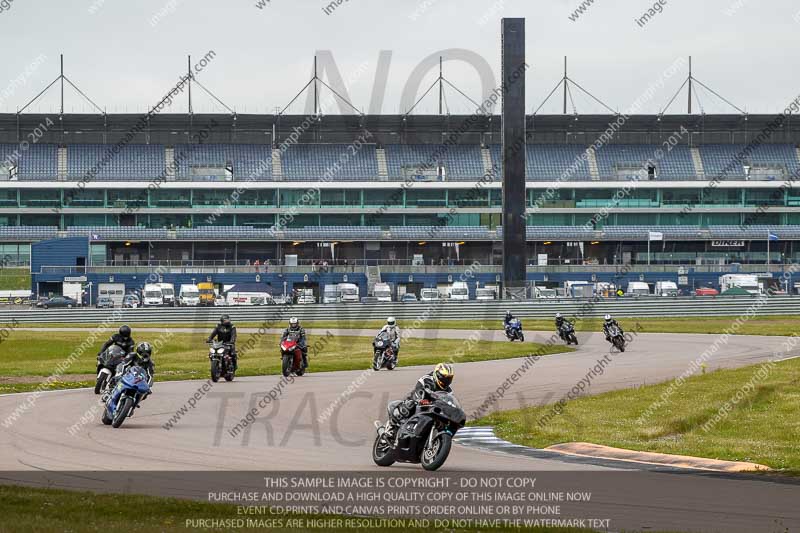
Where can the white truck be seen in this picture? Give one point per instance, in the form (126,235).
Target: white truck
(748,282)
(666,288)
(349,292)
(486,293)
(579,289)
(459,291)
(73,290)
(306,296)
(383,292)
(331,294)
(152,295)
(428,295)
(189,295)
(248,298)
(114,291)
(168,293)
(637,288)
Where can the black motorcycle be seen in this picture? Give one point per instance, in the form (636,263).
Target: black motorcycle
(616,338)
(106,366)
(221,361)
(384,355)
(567,333)
(426,437)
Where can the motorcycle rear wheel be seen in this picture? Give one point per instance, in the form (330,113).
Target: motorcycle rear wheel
(382,453)
(122,412)
(433,459)
(106,419)
(521,337)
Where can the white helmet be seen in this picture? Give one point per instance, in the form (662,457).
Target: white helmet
(293,322)
(391,321)
(558,315)
(608,318)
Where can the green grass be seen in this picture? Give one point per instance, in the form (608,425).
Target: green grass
(185,356)
(28,510)
(763,427)
(765,325)
(15,279)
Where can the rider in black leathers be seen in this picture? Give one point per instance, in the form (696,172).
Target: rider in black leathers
(437,381)
(225,332)
(122,339)
(141,356)
(295,329)
(607,324)
(560,322)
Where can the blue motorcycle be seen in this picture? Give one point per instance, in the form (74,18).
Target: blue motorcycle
(514,330)
(132,388)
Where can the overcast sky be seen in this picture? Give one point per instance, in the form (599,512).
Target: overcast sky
(126,54)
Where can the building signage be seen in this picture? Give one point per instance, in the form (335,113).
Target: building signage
(727,244)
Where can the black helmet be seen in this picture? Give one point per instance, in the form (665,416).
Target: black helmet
(125,331)
(225,320)
(443,374)
(144,351)
(508,314)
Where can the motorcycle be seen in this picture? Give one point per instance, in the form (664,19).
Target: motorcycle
(106,365)
(426,437)
(617,338)
(514,330)
(131,388)
(221,361)
(567,333)
(384,356)
(291,357)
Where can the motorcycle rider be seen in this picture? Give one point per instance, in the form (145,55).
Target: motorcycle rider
(225,332)
(507,320)
(297,331)
(142,356)
(607,324)
(437,381)
(393,330)
(561,323)
(122,339)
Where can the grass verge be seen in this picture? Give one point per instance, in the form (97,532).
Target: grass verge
(185,356)
(747,414)
(28,510)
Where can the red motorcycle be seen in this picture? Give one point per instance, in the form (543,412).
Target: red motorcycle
(292,357)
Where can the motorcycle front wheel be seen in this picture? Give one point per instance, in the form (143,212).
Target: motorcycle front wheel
(286,367)
(377,363)
(106,419)
(214,370)
(102,377)
(433,458)
(122,412)
(382,453)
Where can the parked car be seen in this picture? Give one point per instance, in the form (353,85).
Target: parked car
(131,300)
(706,291)
(409,297)
(57,301)
(104,302)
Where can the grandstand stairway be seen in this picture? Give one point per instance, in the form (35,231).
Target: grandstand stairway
(699,170)
(383,168)
(277,167)
(373,277)
(169,163)
(486,156)
(62,163)
(591,160)
(797,153)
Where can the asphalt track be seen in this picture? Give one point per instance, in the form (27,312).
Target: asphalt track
(294,432)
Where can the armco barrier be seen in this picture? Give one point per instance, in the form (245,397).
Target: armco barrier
(276,315)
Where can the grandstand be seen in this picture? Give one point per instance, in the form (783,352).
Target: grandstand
(416,188)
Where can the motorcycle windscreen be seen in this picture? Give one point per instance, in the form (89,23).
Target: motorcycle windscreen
(112,356)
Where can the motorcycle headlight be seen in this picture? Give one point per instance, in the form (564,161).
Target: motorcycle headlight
(221,350)
(379,344)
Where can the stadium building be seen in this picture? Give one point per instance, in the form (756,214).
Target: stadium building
(403,199)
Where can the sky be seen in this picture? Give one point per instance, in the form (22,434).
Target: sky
(125,55)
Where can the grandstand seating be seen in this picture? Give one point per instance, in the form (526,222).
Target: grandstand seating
(116,232)
(676,164)
(460,162)
(28,232)
(728,160)
(37,162)
(132,161)
(317,162)
(248,161)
